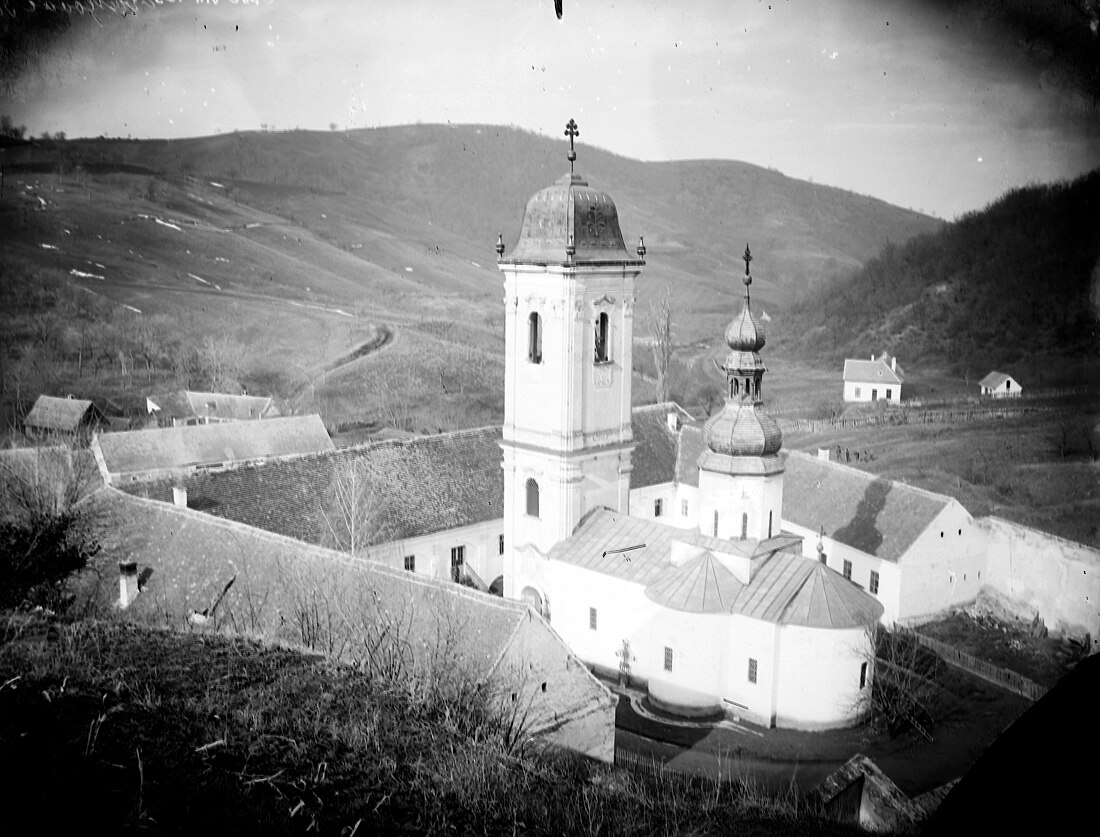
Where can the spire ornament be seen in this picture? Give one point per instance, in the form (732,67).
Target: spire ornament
(748,276)
(571,131)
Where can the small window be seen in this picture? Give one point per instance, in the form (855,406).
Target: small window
(889,393)
(534,338)
(458,563)
(752,670)
(410,563)
(716,523)
(859,392)
(668,658)
(684,508)
(744,525)
(848,569)
(873,586)
(874,395)
(532,498)
(770,524)
(602,338)
(658,507)
(592,618)
(862,675)
(500,544)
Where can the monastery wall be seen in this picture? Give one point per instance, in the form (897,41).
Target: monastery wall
(819,677)
(1054,577)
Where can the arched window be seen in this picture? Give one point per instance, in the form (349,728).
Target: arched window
(744,525)
(534,338)
(601,338)
(532,498)
(735,387)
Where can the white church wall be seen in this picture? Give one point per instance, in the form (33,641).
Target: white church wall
(682,658)
(751,640)
(643,503)
(819,677)
(1057,578)
(944,566)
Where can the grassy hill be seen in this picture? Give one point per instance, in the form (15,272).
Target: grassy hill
(130,265)
(1015,285)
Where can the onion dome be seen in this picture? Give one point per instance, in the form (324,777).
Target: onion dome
(742,428)
(571,223)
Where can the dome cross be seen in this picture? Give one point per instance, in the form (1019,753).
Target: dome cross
(571,131)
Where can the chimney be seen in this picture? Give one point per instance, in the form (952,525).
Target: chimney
(673,421)
(894,364)
(127,583)
(179,496)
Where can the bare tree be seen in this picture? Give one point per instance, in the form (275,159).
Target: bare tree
(660,329)
(352,510)
(222,359)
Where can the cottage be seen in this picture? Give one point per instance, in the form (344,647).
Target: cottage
(184,407)
(70,417)
(999,385)
(877,379)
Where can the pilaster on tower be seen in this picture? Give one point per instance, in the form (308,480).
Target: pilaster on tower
(569,310)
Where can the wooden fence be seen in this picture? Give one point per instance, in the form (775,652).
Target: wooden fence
(1003,677)
(905,416)
(639,763)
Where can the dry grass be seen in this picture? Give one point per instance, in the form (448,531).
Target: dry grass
(153,731)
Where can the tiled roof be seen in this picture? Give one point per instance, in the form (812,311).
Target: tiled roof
(994,380)
(409,487)
(874,515)
(654,459)
(283,590)
(785,587)
(871,372)
(174,448)
(693,443)
(61,414)
(220,405)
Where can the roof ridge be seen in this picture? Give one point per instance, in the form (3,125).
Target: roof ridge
(872,477)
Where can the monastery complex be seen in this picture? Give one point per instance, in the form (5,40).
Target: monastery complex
(699,561)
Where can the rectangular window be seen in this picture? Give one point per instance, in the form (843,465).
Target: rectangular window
(592,618)
(863,675)
(889,393)
(500,544)
(458,561)
(859,392)
(410,563)
(848,569)
(874,395)
(658,507)
(873,587)
(684,508)
(752,670)
(668,658)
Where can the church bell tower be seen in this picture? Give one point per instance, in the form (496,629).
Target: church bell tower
(569,309)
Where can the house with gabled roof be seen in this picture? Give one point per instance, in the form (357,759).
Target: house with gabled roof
(185,407)
(877,379)
(136,455)
(63,416)
(999,385)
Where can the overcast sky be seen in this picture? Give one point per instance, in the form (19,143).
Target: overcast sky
(920,104)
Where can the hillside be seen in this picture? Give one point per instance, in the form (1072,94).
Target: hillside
(1014,284)
(160,732)
(276,260)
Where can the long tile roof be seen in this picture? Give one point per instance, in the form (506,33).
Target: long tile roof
(866,512)
(656,445)
(784,587)
(172,448)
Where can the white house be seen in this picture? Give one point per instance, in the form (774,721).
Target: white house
(999,385)
(877,379)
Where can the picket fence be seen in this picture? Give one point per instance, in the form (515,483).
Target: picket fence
(1003,677)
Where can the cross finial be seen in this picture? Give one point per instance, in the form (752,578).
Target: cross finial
(571,131)
(748,276)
